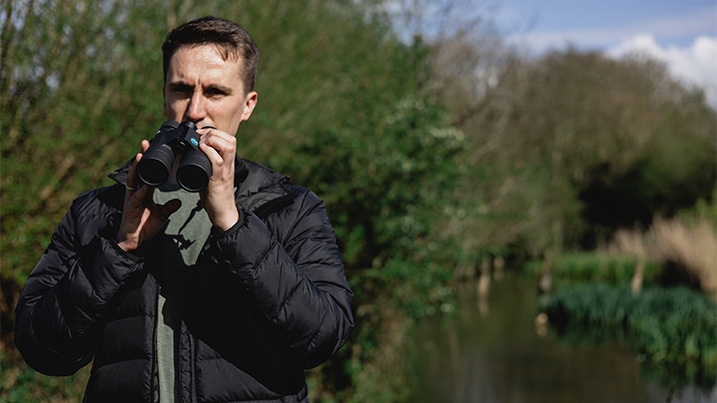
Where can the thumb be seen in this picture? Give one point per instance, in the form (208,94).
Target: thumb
(170,207)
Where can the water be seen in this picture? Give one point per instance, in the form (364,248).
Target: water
(493,351)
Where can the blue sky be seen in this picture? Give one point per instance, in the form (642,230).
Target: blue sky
(606,23)
(682,33)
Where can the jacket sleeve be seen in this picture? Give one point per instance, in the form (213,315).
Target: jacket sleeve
(298,280)
(68,295)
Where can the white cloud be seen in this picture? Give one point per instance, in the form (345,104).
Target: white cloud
(693,65)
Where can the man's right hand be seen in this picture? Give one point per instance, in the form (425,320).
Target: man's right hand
(141,217)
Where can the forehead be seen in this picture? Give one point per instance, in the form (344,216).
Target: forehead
(204,62)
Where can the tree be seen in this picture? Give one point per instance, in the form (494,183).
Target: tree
(559,138)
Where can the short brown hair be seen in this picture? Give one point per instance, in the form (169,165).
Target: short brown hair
(233,40)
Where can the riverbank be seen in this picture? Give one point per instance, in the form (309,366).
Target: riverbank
(492,350)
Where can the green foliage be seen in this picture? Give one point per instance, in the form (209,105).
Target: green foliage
(673,328)
(21,384)
(416,290)
(79,92)
(401,174)
(387,298)
(703,210)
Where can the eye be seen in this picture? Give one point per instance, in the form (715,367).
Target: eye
(214,92)
(180,88)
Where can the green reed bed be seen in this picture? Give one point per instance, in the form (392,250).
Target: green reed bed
(672,330)
(613,269)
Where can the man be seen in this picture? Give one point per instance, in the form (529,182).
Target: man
(225,295)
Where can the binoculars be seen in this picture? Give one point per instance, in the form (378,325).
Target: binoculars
(172,140)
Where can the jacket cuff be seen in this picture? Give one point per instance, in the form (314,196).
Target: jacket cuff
(244,245)
(108,233)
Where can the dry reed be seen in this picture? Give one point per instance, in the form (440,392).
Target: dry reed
(689,246)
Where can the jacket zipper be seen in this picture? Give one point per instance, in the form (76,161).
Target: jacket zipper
(192,365)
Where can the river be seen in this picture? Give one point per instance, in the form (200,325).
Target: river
(494,351)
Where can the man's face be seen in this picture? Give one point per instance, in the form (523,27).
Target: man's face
(203,88)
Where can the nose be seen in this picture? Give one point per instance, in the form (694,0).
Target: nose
(196,109)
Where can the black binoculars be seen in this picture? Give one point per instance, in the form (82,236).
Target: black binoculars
(172,140)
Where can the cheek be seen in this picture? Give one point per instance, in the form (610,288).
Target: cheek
(232,125)
(173,108)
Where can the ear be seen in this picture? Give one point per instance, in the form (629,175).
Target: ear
(249,105)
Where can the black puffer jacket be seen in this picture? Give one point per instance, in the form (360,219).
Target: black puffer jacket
(268,300)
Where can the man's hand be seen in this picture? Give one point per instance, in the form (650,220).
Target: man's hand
(141,217)
(218,197)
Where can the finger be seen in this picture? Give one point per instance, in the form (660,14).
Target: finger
(132,184)
(215,157)
(222,162)
(216,138)
(223,145)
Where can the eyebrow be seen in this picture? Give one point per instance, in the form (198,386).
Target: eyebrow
(222,88)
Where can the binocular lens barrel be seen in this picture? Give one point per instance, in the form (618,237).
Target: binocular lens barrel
(194,171)
(154,167)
